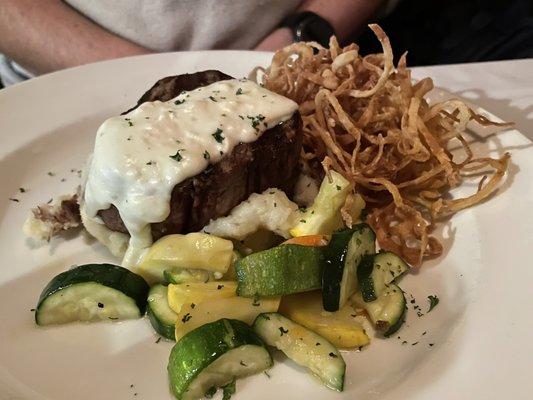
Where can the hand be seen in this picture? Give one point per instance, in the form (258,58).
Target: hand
(276,40)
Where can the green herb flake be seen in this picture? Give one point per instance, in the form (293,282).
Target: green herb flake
(14,200)
(256,120)
(220,287)
(228,390)
(318,344)
(193,305)
(218,135)
(178,102)
(267,374)
(158,340)
(239,91)
(207,156)
(433,301)
(22,190)
(186,317)
(212,99)
(333,355)
(283,331)
(303,221)
(177,157)
(338,187)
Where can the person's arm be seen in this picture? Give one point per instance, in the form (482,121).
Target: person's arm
(346,16)
(48,35)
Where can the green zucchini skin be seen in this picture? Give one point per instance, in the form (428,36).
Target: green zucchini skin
(113,276)
(364,273)
(162,318)
(340,270)
(202,346)
(279,271)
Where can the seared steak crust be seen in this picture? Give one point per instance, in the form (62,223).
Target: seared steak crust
(270,161)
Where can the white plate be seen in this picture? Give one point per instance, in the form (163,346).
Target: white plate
(480,331)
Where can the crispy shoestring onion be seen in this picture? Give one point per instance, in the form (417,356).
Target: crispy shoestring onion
(366,119)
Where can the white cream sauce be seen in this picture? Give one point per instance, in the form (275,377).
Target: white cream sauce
(139,157)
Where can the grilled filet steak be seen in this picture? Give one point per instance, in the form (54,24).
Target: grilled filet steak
(270,161)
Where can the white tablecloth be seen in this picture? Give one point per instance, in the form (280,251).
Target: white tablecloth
(504,88)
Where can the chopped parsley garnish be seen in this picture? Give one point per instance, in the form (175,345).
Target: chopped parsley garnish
(14,200)
(302,209)
(177,157)
(239,91)
(212,99)
(220,287)
(50,173)
(242,363)
(218,135)
(158,340)
(414,344)
(433,301)
(186,317)
(241,117)
(228,390)
(112,318)
(267,374)
(100,305)
(283,330)
(129,121)
(431,344)
(149,163)
(303,221)
(338,187)
(318,344)
(22,190)
(207,156)
(178,102)
(193,305)
(333,355)
(32,309)
(256,120)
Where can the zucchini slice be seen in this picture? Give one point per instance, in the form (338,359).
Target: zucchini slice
(213,355)
(343,255)
(279,271)
(243,309)
(303,347)
(198,292)
(92,292)
(324,215)
(161,316)
(375,273)
(387,313)
(184,275)
(340,327)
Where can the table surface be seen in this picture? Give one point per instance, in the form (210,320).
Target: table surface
(505,88)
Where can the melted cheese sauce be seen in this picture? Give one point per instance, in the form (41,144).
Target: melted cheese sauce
(139,157)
